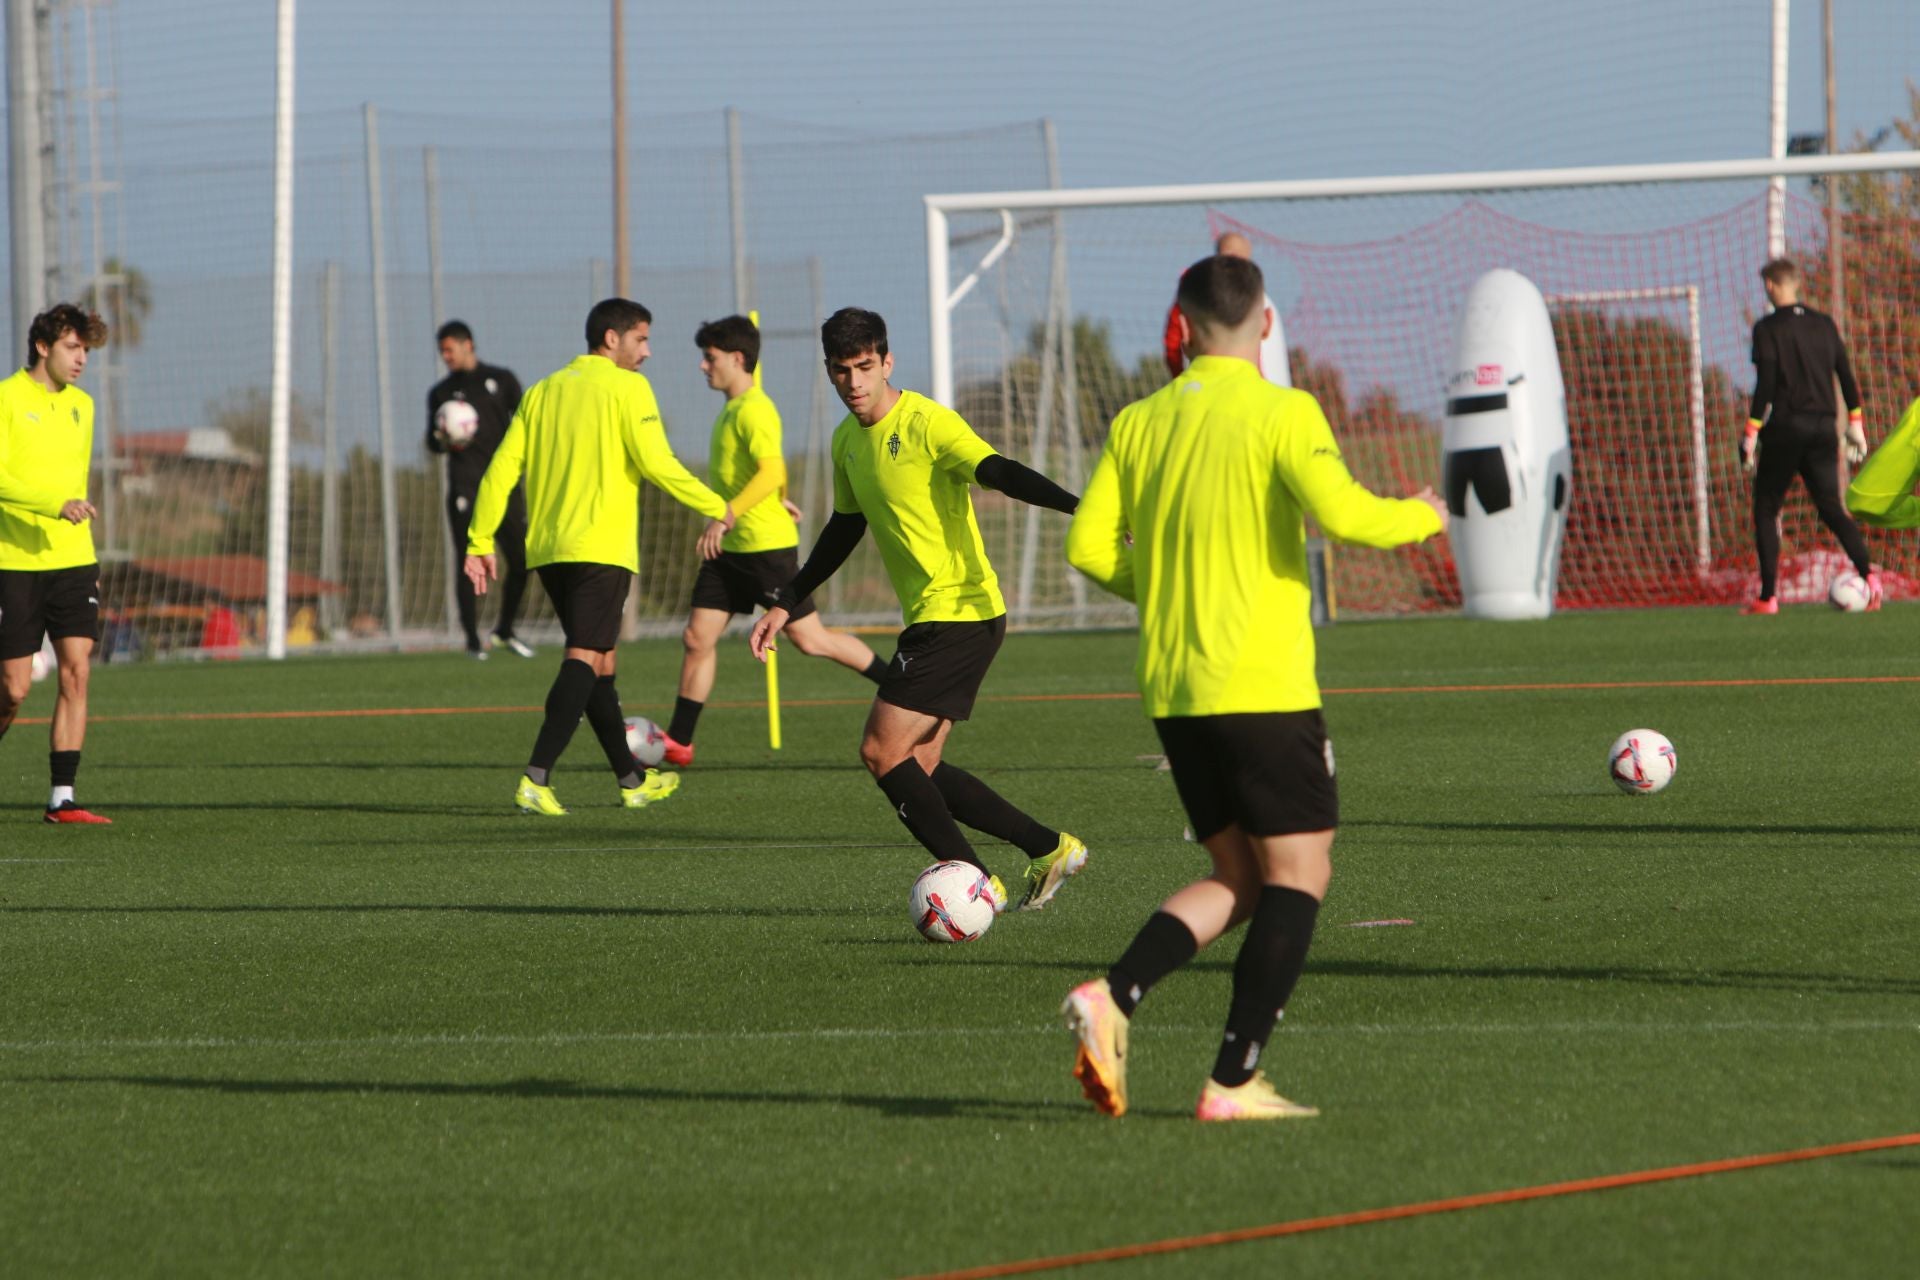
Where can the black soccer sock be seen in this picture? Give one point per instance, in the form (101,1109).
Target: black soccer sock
(686,714)
(876,670)
(603,713)
(1163,944)
(64,766)
(924,811)
(981,807)
(1264,973)
(566,703)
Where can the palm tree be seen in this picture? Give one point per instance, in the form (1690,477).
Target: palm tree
(121,297)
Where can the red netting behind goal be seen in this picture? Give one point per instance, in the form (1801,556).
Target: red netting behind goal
(1371,333)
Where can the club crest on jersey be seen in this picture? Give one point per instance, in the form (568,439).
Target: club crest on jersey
(493,388)
(76,415)
(893,445)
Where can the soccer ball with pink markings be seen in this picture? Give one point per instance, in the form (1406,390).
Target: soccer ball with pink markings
(951,902)
(1641,762)
(1850,593)
(455,423)
(646,740)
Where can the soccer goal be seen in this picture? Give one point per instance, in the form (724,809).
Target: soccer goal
(1048,308)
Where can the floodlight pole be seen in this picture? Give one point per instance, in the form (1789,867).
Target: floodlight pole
(1777,136)
(280,392)
(1836,232)
(622,258)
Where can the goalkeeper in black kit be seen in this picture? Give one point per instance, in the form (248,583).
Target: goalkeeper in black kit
(493,395)
(1797,358)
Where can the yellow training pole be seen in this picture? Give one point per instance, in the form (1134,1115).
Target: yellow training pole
(773,653)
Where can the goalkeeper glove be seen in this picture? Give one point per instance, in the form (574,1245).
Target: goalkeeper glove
(1750,447)
(1856,439)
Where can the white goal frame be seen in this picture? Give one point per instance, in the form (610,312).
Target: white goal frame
(942,296)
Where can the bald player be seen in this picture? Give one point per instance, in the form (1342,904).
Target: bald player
(1273,347)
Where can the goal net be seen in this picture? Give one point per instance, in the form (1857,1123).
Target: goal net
(1050,308)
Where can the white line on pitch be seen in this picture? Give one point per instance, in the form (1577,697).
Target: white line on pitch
(898,1033)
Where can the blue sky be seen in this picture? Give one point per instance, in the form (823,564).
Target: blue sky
(516,95)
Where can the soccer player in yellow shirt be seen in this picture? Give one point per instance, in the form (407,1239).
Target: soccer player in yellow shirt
(49,572)
(1195,512)
(745,569)
(584,438)
(903,466)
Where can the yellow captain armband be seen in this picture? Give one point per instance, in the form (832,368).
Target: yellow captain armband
(1853,415)
(1753,426)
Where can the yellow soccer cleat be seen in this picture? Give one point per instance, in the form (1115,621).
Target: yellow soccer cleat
(1254,1100)
(1045,873)
(998,888)
(1100,1061)
(654,786)
(534,798)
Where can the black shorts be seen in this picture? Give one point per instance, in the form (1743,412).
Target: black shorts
(1270,773)
(742,581)
(938,666)
(589,600)
(37,603)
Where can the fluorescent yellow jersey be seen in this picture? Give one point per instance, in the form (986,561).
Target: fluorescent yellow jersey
(746,449)
(46,444)
(910,474)
(585,438)
(1212,476)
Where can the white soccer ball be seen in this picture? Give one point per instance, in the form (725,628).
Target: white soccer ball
(951,902)
(647,741)
(1850,593)
(1641,762)
(455,423)
(43,662)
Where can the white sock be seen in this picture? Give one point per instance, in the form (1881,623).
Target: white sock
(60,796)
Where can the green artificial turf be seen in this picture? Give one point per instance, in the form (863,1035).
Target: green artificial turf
(320,1002)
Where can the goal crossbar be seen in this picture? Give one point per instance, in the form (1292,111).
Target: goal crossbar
(940,207)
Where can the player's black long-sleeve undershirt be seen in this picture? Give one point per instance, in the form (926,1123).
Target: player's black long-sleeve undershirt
(1797,353)
(830,550)
(1017,480)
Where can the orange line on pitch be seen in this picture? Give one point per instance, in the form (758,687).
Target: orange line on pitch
(1302,1226)
(1542,687)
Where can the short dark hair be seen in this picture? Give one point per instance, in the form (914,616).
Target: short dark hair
(1218,292)
(455,329)
(1780,271)
(731,333)
(850,332)
(617,314)
(64,317)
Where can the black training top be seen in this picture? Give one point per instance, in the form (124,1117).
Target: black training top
(494,394)
(1797,352)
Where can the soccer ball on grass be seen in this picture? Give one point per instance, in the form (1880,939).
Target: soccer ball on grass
(1850,593)
(647,741)
(455,424)
(1641,762)
(951,902)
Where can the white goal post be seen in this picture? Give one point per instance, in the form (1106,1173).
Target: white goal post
(942,296)
(1368,273)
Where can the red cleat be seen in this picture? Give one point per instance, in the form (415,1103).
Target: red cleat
(1760,607)
(679,754)
(71,812)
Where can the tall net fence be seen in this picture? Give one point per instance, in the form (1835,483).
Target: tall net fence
(403,220)
(1653,290)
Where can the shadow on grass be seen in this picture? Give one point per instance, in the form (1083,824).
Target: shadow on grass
(447,908)
(1706,979)
(538,1088)
(1615,829)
